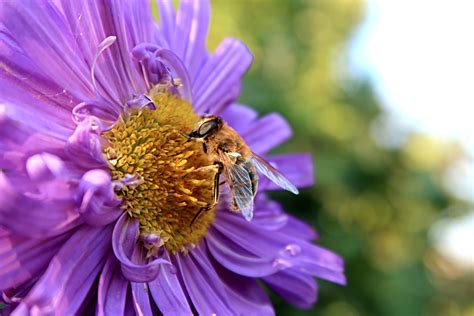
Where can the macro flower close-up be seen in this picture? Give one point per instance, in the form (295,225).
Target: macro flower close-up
(128,171)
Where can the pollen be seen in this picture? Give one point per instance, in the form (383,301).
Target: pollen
(167,188)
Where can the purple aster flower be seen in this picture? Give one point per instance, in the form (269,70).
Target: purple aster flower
(99,186)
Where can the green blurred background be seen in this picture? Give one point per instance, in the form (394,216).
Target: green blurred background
(374,206)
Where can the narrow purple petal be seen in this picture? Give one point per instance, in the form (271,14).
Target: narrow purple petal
(322,263)
(23,258)
(246,295)
(141,298)
(127,39)
(112,291)
(296,288)
(124,242)
(70,274)
(189,40)
(236,258)
(269,214)
(218,80)
(299,229)
(239,117)
(267,133)
(139,22)
(168,293)
(167,19)
(203,284)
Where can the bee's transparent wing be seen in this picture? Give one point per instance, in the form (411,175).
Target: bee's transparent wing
(273,174)
(241,187)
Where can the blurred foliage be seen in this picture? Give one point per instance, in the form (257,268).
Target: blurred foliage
(372,205)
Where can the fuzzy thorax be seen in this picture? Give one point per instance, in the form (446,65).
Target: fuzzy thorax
(148,153)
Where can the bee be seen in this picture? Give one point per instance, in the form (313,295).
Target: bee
(232,157)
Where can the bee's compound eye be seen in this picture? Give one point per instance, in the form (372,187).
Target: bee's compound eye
(207,127)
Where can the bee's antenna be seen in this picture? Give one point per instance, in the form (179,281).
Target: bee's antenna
(189,138)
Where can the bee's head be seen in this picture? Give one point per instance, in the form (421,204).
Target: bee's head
(206,126)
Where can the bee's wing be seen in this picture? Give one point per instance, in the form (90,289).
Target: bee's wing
(273,174)
(241,187)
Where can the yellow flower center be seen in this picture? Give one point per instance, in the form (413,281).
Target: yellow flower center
(149,147)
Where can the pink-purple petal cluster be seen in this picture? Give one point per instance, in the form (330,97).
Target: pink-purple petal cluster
(68,70)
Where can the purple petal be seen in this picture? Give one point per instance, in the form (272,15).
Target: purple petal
(112,291)
(296,288)
(162,66)
(84,146)
(236,258)
(23,258)
(203,284)
(139,22)
(285,251)
(19,140)
(267,133)
(124,242)
(299,229)
(97,200)
(129,305)
(218,81)
(30,107)
(167,19)
(45,211)
(239,117)
(141,298)
(93,21)
(100,108)
(246,295)
(168,292)
(70,274)
(189,40)
(44,167)
(42,35)
(13,296)
(140,102)
(298,168)
(269,214)
(322,263)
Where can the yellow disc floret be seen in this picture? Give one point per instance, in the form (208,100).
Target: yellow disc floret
(149,147)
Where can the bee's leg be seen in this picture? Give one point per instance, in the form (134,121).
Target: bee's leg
(195,217)
(216,192)
(216,181)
